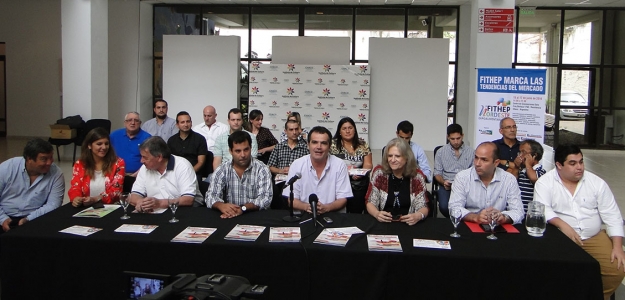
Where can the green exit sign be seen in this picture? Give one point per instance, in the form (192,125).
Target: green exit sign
(527,11)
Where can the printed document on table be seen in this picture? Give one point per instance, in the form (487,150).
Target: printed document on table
(334,237)
(196,235)
(97,212)
(435,244)
(383,242)
(245,232)
(81,230)
(132,228)
(284,234)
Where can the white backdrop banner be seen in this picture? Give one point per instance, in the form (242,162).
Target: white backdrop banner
(514,93)
(322,94)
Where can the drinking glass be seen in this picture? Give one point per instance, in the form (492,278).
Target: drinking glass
(173,205)
(123,202)
(454,215)
(494,215)
(535,221)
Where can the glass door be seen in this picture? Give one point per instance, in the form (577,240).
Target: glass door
(573,107)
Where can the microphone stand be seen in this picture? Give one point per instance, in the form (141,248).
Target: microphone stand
(291,217)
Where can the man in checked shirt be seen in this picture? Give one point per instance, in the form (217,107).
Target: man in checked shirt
(242,184)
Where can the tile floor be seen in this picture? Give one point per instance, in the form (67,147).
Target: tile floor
(605,163)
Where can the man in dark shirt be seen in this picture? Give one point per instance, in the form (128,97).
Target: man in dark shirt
(508,146)
(188,143)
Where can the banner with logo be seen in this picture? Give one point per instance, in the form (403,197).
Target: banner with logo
(322,94)
(516,93)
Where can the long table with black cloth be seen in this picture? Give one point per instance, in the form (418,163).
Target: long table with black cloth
(39,262)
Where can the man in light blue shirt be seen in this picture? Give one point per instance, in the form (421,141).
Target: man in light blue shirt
(484,190)
(161,125)
(405,130)
(30,186)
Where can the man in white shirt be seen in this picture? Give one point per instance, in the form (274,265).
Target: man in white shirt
(485,190)
(210,129)
(163,176)
(578,202)
(322,174)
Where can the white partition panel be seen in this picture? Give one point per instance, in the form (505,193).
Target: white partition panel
(200,71)
(408,82)
(310,50)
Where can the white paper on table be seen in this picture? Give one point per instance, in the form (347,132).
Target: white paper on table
(333,236)
(195,235)
(384,242)
(81,230)
(358,172)
(284,234)
(133,228)
(435,244)
(156,211)
(245,232)
(349,230)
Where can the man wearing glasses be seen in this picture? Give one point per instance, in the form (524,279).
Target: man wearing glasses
(126,142)
(508,146)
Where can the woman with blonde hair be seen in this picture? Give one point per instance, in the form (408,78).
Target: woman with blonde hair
(397,187)
(99,174)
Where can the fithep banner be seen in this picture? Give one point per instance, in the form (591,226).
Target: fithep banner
(322,94)
(515,93)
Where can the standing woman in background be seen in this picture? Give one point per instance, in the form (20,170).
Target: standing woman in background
(99,174)
(265,139)
(356,154)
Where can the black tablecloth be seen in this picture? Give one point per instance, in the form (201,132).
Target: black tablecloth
(38,262)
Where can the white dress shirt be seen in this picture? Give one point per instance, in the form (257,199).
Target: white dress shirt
(592,203)
(211,133)
(471,195)
(333,184)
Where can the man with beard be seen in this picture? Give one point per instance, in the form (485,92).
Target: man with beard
(242,184)
(222,153)
(449,160)
(161,125)
(188,143)
(484,191)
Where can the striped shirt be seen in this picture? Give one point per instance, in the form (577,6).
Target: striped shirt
(526,186)
(447,164)
(254,186)
(283,156)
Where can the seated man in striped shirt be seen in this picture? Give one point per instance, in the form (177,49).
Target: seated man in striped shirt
(449,160)
(242,184)
(530,154)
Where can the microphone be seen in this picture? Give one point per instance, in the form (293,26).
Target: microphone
(293,179)
(313,199)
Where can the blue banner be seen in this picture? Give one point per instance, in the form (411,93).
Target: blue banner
(514,81)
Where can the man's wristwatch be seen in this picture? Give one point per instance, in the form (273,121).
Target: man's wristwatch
(507,164)
(243,208)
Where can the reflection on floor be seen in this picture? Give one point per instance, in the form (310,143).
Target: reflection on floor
(604,163)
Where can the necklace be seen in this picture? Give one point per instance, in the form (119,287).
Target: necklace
(396,186)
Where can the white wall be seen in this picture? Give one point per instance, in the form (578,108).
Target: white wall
(408,82)
(309,50)
(129,60)
(76,41)
(32,32)
(200,71)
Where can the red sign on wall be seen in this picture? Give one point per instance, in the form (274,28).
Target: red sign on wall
(495,20)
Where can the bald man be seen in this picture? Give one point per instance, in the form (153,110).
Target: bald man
(211,129)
